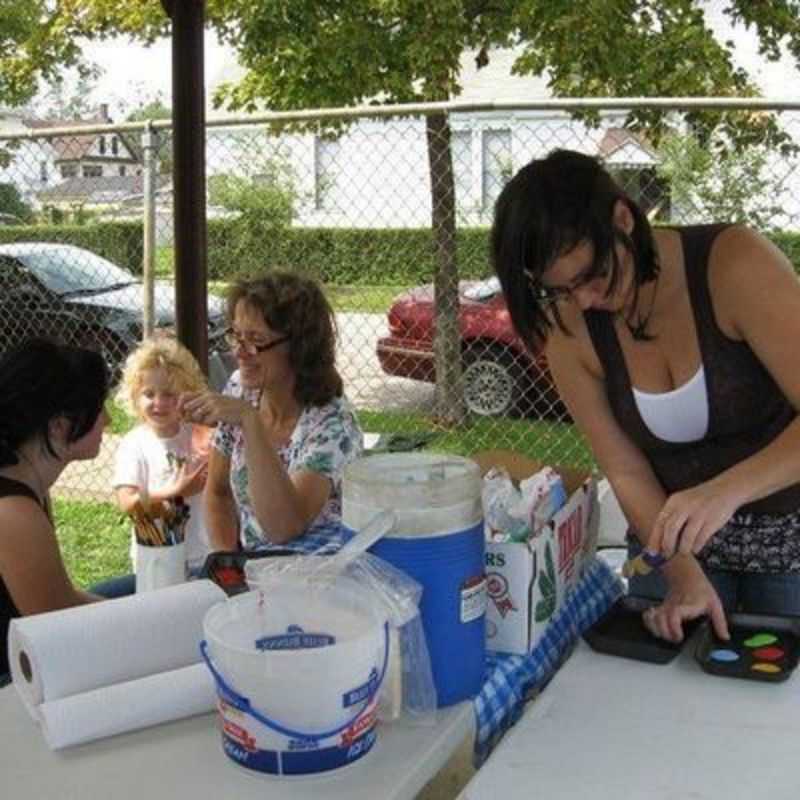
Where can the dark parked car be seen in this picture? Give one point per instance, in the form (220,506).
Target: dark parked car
(74,296)
(500,375)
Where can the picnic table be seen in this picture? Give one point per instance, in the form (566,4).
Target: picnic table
(615,729)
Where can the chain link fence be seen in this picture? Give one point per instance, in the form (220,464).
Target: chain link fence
(350,199)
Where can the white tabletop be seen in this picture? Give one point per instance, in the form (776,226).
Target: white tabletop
(608,727)
(185,760)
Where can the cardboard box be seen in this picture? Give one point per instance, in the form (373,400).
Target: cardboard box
(528,581)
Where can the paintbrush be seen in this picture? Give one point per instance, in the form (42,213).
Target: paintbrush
(644,563)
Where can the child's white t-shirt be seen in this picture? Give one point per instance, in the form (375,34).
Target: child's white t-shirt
(144,459)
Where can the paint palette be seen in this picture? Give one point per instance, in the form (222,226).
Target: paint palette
(621,632)
(226,568)
(761,648)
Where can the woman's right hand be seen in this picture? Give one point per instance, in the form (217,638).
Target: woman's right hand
(690,595)
(209,408)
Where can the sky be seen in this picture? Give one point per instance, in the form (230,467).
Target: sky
(133,72)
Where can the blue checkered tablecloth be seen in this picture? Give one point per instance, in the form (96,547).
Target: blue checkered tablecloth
(511,680)
(323,539)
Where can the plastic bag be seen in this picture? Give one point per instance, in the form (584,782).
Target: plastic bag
(515,513)
(503,513)
(543,494)
(408,687)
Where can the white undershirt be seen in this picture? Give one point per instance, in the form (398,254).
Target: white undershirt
(680,415)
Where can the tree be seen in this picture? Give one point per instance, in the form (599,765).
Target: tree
(317,53)
(34,45)
(11,203)
(714,182)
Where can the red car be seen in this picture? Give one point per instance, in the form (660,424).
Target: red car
(500,376)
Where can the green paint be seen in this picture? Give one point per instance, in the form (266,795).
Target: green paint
(760,640)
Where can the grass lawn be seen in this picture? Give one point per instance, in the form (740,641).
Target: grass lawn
(94,540)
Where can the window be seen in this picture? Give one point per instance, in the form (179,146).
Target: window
(497,166)
(69,170)
(115,146)
(461,149)
(13,278)
(122,169)
(101,145)
(92,171)
(326,170)
(43,172)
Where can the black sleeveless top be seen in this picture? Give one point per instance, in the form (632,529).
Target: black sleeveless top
(747,409)
(8,611)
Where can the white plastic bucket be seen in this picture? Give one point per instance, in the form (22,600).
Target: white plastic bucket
(298,668)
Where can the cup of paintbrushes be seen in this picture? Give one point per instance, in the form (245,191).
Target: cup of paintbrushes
(160,548)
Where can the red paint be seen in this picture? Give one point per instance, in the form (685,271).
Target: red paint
(768,653)
(227,576)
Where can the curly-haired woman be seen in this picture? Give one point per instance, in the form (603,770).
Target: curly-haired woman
(284,429)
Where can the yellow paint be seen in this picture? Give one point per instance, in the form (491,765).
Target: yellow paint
(762,667)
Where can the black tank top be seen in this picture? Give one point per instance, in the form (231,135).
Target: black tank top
(747,409)
(8,611)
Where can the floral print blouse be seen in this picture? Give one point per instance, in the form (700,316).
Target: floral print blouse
(325,439)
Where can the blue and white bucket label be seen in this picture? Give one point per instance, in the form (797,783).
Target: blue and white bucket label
(361,693)
(254,747)
(295,638)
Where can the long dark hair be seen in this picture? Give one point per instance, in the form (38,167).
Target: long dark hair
(295,306)
(41,381)
(550,206)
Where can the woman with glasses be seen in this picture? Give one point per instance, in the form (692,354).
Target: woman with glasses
(674,350)
(284,429)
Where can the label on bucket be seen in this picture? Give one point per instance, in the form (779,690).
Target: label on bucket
(473,598)
(361,693)
(295,638)
(247,742)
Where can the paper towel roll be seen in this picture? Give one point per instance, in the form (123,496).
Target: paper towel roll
(128,706)
(68,652)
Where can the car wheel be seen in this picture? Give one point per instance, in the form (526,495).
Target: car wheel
(494,384)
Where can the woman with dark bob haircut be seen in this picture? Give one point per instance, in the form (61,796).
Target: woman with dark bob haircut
(284,429)
(674,349)
(51,413)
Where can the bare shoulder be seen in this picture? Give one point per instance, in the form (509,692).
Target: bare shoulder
(742,254)
(750,277)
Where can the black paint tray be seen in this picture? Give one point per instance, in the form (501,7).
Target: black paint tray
(755,660)
(226,568)
(621,632)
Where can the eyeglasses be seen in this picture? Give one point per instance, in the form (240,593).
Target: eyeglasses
(552,294)
(251,347)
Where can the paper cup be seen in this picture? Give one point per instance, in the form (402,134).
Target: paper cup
(158,567)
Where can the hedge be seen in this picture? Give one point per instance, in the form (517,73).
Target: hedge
(120,242)
(348,256)
(385,256)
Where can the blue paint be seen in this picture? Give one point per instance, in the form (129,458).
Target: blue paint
(724,655)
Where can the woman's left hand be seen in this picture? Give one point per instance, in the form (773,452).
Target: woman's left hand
(209,408)
(688,519)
